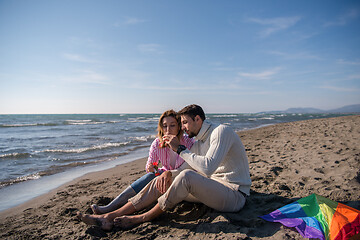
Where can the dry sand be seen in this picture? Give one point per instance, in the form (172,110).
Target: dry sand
(287,161)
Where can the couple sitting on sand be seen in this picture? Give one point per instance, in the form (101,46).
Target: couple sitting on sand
(213,170)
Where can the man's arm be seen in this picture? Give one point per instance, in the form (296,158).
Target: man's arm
(183,166)
(220,143)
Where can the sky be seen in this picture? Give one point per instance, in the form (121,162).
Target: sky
(129,56)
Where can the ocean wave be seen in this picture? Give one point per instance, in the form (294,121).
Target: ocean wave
(50,171)
(82,121)
(20,179)
(54,169)
(27,125)
(86,149)
(89,122)
(142,138)
(15,155)
(224,115)
(137,129)
(142,119)
(62,168)
(136,148)
(113,121)
(266,118)
(130,141)
(52,124)
(85,122)
(261,118)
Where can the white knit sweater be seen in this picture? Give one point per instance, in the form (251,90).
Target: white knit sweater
(219,154)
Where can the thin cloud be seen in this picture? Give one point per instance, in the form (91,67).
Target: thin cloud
(132,21)
(217,64)
(274,24)
(260,75)
(343,19)
(77,58)
(164,88)
(225,88)
(342,61)
(87,76)
(149,48)
(84,42)
(220,66)
(179,84)
(225,69)
(180,87)
(300,55)
(340,89)
(129,21)
(354,77)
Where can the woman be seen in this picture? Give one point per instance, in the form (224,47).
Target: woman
(169,124)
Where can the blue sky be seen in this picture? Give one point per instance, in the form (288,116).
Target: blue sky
(147,56)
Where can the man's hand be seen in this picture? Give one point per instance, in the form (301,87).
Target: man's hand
(172,141)
(150,168)
(164,181)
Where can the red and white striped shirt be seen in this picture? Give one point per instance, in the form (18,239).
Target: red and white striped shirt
(169,159)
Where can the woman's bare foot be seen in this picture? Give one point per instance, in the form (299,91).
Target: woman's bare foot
(95,220)
(127,222)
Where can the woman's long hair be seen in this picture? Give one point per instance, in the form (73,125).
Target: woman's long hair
(168,113)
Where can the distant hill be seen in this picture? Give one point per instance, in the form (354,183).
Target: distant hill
(346,109)
(304,110)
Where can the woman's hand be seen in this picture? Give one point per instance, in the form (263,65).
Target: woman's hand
(164,181)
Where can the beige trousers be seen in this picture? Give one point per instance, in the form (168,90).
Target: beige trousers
(193,187)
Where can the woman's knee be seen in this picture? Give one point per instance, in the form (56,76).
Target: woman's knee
(140,183)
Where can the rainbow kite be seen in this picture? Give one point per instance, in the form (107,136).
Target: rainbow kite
(318,217)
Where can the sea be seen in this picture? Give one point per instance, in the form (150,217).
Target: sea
(41,152)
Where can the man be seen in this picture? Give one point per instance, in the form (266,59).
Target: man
(215,172)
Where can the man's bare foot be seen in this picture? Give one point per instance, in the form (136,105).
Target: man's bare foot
(127,222)
(96,210)
(95,220)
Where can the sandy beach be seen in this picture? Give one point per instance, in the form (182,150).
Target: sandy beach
(287,161)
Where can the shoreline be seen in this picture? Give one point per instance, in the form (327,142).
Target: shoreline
(17,193)
(96,175)
(318,156)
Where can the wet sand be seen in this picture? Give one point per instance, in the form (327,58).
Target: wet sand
(288,161)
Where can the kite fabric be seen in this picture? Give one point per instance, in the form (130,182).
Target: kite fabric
(318,217)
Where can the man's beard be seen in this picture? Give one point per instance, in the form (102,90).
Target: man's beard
(191,134)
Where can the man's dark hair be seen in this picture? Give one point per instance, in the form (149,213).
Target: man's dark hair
(192,111)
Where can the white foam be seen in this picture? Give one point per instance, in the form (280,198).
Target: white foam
(13,195)
(81,150)
(224,116)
